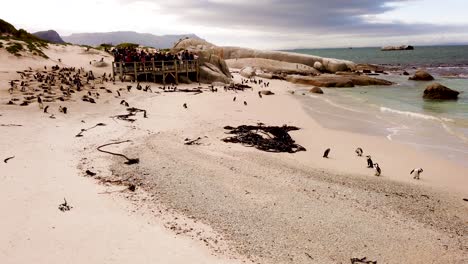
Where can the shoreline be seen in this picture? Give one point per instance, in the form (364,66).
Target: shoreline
(348,111)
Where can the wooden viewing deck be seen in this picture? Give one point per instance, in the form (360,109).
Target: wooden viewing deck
(157,70)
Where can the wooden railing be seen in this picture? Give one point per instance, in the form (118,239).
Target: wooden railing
(156,67)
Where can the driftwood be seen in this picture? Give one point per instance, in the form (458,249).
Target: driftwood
(237,87)
(125,117)
(194,90)
(7,159)
(128,162)
(10,125)
(90,173)
(84,130)
(65,206)
(132,111)
(265,138)
(362,260)
(192,141)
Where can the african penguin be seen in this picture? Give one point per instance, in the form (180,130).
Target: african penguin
(416,173)
(325,154)
(359,152)
(378,171)
(370,164)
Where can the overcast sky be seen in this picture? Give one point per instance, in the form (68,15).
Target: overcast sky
(265,24)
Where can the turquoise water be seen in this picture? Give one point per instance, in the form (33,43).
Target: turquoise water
(399,112)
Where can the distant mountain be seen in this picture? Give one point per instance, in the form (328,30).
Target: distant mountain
(114,38)
(49,35)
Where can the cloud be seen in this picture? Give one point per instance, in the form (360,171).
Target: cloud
(296,16)
(268,24)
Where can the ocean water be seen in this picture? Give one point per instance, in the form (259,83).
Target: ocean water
(399,112)
(430,56)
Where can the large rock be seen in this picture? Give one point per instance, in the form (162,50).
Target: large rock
(319,66)
(316,90)
(421,75)
(328,80)
(192,44)
(209,73)
(208,57)
(213,67)
(247,72)
(272,66)
(330,65)
(437,91)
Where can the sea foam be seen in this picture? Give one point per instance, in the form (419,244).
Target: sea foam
(414,115)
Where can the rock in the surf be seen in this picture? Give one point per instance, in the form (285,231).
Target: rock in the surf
(421,75)
(437,91)
(316,90)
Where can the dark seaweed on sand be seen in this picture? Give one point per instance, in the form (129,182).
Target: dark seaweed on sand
(265,138)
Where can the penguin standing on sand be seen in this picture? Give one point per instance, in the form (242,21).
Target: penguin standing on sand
(325,154)
(245,102)
(378,171)
(259,94)
(370,163)
(416,173)
(359,152)
(234,99)
(39,101)
(185,105)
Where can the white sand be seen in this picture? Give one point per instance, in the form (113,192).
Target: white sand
(101,228)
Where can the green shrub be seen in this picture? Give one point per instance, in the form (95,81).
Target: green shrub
(33,43)
(7,28)
(14,48)
(127,45)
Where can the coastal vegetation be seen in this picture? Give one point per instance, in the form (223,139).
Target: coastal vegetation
(20,40)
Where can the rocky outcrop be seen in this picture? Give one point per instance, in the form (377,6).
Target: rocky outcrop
(392,48)
(316,90)
(437,91)
(329,65)
(209,73)
(319,66)
(213,68)
(421,75)
(272,66)
(327,80)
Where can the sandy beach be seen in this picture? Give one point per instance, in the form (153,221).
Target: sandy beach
(215,202)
